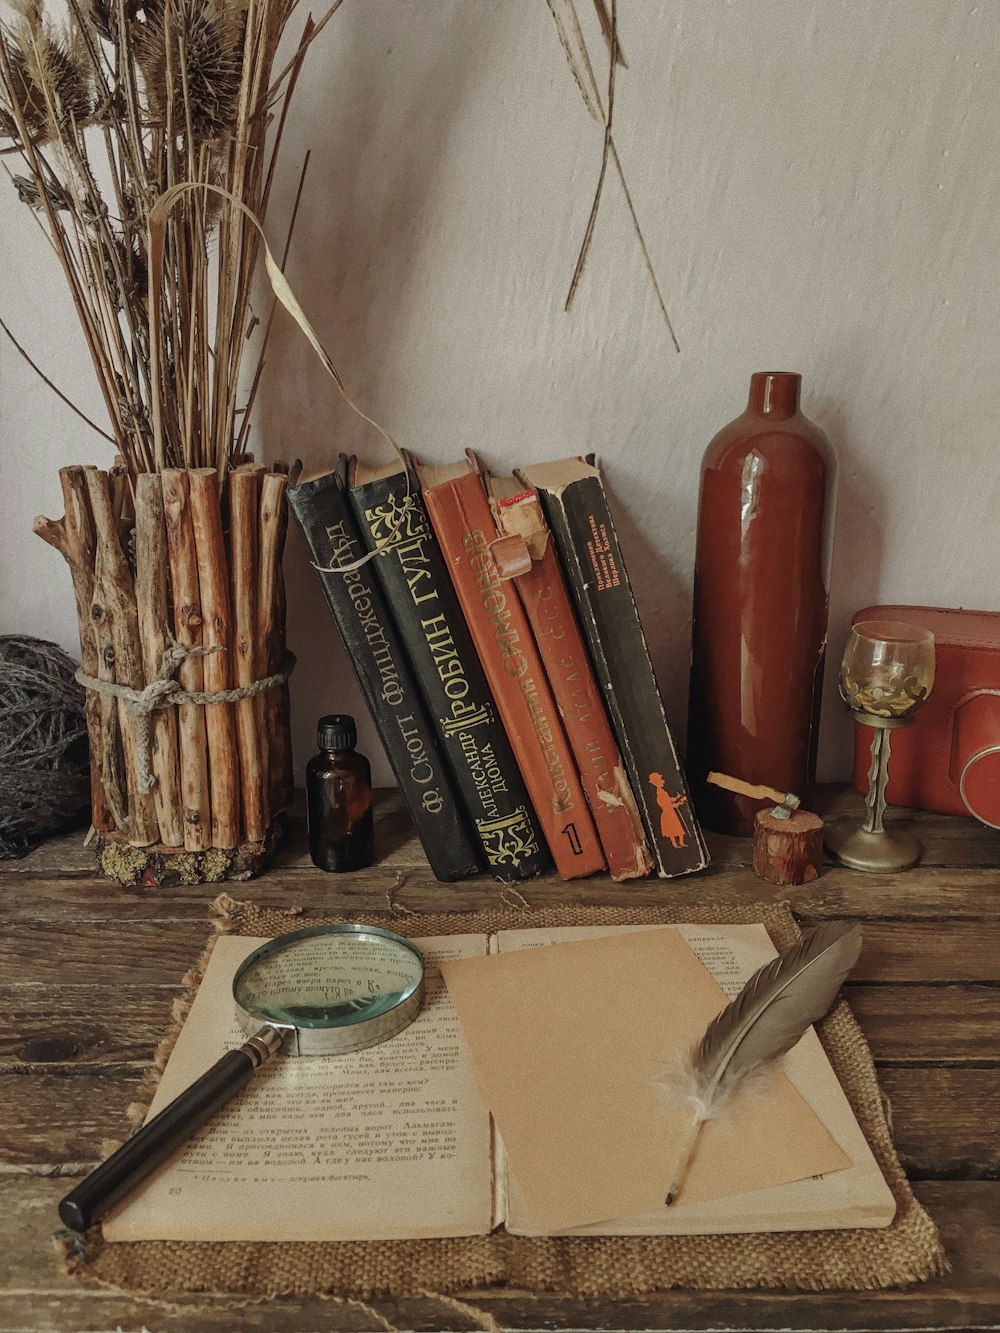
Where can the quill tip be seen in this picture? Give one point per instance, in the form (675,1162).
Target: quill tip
(671,1196)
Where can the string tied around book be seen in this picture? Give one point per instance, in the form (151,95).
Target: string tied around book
(165,691)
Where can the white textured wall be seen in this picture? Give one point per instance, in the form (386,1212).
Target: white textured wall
(818,183)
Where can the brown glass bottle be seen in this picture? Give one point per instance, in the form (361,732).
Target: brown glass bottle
(761,592)
(339,798)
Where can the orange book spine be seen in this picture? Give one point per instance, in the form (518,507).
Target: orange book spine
(460,514)
(546,603)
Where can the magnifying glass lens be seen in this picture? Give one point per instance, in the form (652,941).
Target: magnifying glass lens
(324,979)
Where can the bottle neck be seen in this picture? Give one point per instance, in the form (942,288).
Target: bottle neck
(774,393)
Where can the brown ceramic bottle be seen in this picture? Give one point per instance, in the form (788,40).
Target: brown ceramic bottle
(760,602)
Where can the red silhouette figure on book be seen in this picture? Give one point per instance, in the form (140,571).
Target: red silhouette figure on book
(671,826)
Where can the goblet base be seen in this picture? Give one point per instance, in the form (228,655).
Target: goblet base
(877,853)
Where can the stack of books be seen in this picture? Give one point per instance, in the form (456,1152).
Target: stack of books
(496,640)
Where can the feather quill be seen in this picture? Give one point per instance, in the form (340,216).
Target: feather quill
(767,1018)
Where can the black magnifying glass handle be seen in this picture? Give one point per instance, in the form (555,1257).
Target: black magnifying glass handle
(159,1137)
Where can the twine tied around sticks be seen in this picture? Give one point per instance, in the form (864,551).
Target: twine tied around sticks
(167,692)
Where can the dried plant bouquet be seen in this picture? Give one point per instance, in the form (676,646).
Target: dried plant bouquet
(145,136)
(106,113)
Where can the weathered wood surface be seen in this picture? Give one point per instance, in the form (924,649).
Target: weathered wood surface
(910,1025)
(88,972)
(945,1120)
(35,1294)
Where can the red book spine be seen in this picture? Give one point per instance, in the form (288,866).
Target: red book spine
(460,514)
(564,655)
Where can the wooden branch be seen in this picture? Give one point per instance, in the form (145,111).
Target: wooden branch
(244,490)
(116,623)
(275,705)
(73,537)
(151,570)
(188,633)
(51,530)
(220,728)
(113,805)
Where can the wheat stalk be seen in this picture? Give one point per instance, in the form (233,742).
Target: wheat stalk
(574,45)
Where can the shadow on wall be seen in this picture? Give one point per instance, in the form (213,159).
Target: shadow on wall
(858,540)
(361,231)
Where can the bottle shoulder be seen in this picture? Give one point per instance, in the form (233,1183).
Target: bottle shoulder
(786,446)
(328,763)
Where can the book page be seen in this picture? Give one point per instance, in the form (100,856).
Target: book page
(567,1042)
(391,1142)
(855,1197)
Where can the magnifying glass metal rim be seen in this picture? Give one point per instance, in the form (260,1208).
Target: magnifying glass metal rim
(309,1039)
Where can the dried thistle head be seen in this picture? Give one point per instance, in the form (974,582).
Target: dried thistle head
(48,78)
(190,53)
(19,94)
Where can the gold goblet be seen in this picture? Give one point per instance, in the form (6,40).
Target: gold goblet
(886,674)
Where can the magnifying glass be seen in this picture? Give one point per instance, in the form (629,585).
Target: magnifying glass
(321,991)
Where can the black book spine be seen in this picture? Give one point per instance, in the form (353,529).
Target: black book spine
(383,673)
(588,546)
(422,600)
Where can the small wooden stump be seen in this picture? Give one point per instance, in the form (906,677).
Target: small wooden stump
(787,851)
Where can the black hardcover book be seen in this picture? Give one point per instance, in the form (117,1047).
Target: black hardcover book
(576,507)
(411,743)
(391,517)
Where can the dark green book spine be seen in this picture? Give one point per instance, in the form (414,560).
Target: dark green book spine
(383,673)
(423,604)
(580,520)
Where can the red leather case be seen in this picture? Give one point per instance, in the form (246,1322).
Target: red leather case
(948,759)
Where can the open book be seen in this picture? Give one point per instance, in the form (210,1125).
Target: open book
(397,1141)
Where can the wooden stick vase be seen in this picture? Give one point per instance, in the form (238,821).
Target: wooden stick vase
(181,611)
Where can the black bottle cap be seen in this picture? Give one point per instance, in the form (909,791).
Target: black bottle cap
(336,731)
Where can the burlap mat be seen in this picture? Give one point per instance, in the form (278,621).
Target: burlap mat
(617,1267)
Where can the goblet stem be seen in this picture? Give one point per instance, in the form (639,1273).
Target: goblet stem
(878,777)
(873,847)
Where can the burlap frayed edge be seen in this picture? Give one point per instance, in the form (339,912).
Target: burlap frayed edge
(907,1251)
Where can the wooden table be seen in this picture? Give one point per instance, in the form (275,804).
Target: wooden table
(89,972)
